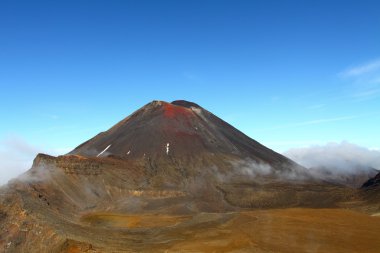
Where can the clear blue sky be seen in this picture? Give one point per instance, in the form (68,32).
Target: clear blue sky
(287,73)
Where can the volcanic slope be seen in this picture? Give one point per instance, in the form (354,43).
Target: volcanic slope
(159,178)
(181,130)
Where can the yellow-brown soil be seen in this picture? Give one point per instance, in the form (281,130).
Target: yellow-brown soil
(132,221)
(288,230)
(276,230)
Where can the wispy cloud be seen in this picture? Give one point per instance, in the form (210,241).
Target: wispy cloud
(16,156)
(313,122)
(362,69)
(367,93)
(319,121)
(363,81)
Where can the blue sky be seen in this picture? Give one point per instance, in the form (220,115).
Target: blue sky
(287,73)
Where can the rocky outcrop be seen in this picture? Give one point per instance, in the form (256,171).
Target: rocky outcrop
(373,182)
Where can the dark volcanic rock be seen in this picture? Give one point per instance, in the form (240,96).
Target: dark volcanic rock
(185,103)
(373,182)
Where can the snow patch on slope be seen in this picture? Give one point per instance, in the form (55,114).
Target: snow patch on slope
(104,150)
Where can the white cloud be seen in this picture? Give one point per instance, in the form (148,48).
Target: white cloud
(342,156)
(364,81)
(367,93)
(16,156)
(362,69)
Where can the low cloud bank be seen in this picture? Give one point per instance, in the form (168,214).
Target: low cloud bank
(340,157)
(16,157)
(251,168)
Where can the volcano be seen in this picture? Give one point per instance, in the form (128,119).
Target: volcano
(171,177)
(180,132)
(179,129)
